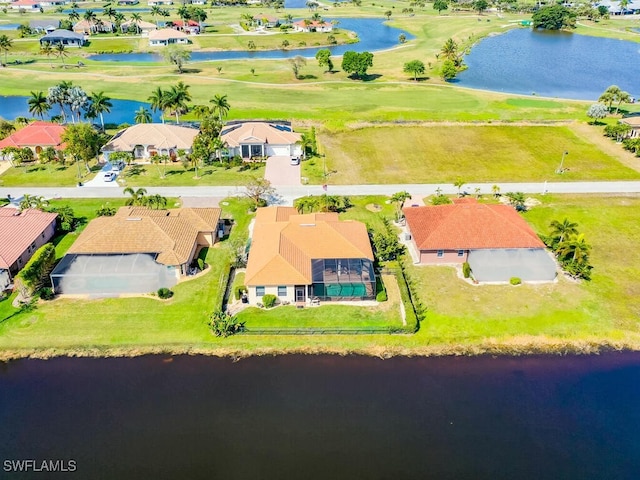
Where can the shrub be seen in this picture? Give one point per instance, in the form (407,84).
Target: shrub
(223,325)
(201,264)
(269,300)
(515,281)
(35,273)
(240,289)
(165,293)
(46,293)
(466,270)
(381,296)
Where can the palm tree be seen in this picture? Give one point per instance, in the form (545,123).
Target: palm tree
(184,14)
(623,97)
(563,229)
(90,17)
(118,18)
(459,183)
(398,199)
(47,49)
(142,115)
(136,18)
(100,104)
(38,104)
(74,16)
(575,248)
(288,18)
(77,100)
(137,196)
(158,101)
(5,44)
(201,111)
(177,98)
(155,10)
(450,50)
(220,106)
(61,53)
(109,12)
(58,95)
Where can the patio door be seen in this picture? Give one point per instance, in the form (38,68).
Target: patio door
(300,295)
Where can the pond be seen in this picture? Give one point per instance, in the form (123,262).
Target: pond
(322,417)
(553,64)
(9,26)
(373,33)
(123,111)
(80,11)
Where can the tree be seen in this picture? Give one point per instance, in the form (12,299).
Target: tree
(449,70)
(90,17)
(402,38)
(251,45)
(415,67)
(138,196)
(517,200)
(223,325)
(61,52)
(386,246)
(83,143)
(142,115)
(324,59)
(32,201)
(623,97)
(398,200)
(459,183)
(610,95)
(480,5)
(597,111)
(440,5)
(259,190)
(38,104)
(159,101)
(574,249)
(562,230)
(177,97)
(176,55)
(67,220)
(78,100)
(5,45)
(356,63)
(388,14)
(155,10)
(450,50)
(296,65)
(555,17)
(6,128)
(100,104)
(47,49)
(74,16)
(220,106)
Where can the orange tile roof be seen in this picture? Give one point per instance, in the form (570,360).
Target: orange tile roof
(19,230)
(172,234)
(158,135)
(469,226)
(166,34)
(257,132)
(43,134)
(632,121)
(284,243)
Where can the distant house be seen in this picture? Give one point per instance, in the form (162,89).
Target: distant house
(142,27)
(259,139)
(634,123)
(302,258)
(152,3)
(145,140)
(138,250)
(63,37)
(615,8)
(43,26)
(128,2)
(21,234)
(88,28)
(167,36)
(267,21)
(190,27)
(26,5)
(312,26)
(494,239)
(52,3)
(37,136)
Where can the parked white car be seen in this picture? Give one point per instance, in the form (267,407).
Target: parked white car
(109,176)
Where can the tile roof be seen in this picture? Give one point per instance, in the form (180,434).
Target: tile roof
(284,243)
(469,226)
(140,23)
(19,230)
(158,135)
(632,121)
(166,34)
(258,132)
(44,134)
(172,234)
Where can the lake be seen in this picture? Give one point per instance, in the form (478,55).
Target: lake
(553,64)
(123,111)
(325,417)
(373,33)
(9,26)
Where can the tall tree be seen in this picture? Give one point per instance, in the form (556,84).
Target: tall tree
(5,45)
(440,5)
(58,95)
(220,106)
(100,104)
(136,18)
(138,196)
(562,230)
(357,63)
(415,67)
(83,144)
(177,97)
(296,65)
(555,17)
(61,52)
(155,10)
(324,59)
(159,101)
(623,97)
(450,50)
(610,95)
(91,18)
(38,104)
(77,100)
(142,115)
(176,55)
(47,49)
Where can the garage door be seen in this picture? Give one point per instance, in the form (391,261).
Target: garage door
(273,150)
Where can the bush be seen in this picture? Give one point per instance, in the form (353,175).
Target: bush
(35,273)
(46,293)
(200,264)
(381,296)
(223,325)
(466,270)
(515,281)
(165,293)
(269,300)
(240,289)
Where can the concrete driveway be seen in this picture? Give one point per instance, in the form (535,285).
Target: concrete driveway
(280,172)
(99,181)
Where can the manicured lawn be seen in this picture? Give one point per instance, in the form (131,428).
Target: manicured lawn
(433,154)
(55,175)
(151,175)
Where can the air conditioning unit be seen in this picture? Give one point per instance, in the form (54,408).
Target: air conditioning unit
(407,236)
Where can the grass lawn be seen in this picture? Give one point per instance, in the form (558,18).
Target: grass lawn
(54,175)
(151,175)
(434,154)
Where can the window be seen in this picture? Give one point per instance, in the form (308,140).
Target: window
(259,291)
(440,253)
(282,291)
(461,253)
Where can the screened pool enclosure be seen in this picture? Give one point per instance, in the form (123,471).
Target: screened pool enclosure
(343,279)
(111,274)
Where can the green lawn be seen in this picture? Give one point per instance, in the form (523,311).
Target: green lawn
(434,154)
(152,175)
(54,175)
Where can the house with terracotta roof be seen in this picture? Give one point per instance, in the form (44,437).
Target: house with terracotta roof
(145,140)
(167,36)
(307,26)
(140,26)
(495,240)
(37,136)
(190,27)
(86,27)
(138,250)
(260,139)
(25,5)
(21,234)
(303,257)
(634,123)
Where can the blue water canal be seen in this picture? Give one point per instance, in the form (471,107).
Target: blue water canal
(320,417)
(553,64)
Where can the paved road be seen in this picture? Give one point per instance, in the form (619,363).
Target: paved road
(287,193)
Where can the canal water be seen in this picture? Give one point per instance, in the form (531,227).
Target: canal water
(322,417)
